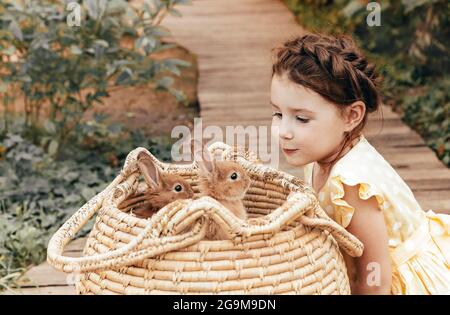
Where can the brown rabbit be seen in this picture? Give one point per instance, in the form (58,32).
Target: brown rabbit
(163,188)
(225,181)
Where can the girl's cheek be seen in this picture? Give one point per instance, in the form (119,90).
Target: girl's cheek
(309,137)
(304,131)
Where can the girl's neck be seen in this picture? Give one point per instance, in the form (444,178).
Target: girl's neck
(324,165)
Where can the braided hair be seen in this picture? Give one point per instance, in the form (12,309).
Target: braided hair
(333,67)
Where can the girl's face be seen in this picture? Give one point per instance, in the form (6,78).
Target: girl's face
(307,123)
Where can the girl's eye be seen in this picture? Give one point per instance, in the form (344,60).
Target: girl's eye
(303,120)
(234,176)
(276,115)
(178,188)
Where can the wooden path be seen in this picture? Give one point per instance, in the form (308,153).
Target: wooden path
(232,39)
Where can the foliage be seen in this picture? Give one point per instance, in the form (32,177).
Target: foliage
(429,112)
(38,193)
(68,69)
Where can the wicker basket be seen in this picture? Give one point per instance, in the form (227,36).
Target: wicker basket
(290,245)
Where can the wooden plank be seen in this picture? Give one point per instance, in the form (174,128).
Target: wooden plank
(75,245)
(44,275)
(419,174)
(436,200)
(44,279)
(429,184)
(50,290)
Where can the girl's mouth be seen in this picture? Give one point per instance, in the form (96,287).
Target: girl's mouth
(289,151)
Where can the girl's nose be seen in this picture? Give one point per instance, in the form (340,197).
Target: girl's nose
(285,131)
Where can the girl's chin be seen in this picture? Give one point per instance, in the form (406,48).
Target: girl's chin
(294,159)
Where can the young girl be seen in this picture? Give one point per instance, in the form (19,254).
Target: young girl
(322,91)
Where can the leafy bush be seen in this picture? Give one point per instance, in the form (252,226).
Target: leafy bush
(38,193)
(410,47)
(429,112)
(68,69)
(413,33)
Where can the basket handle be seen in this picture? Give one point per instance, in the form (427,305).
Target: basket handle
(194,213)
(121,256)
(297,207)
(125,254)
(273,222)
(347,241)
(233,226)
(137,249)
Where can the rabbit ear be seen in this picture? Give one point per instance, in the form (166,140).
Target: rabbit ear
(150,171)
(201,154)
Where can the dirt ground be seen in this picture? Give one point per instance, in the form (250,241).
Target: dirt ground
(156,112)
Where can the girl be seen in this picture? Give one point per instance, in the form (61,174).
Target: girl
(321,93)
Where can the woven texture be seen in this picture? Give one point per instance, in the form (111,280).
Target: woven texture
(288,246)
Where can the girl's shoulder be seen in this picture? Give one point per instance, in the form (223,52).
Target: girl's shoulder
(364,166)
(364,162)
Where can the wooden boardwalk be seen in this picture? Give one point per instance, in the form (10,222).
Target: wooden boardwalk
(233,39)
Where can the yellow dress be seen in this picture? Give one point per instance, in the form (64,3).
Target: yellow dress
(419,241)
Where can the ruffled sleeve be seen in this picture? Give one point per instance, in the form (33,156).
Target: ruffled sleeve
(343,210)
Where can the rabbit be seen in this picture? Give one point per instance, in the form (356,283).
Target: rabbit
(163,187)
(225,181)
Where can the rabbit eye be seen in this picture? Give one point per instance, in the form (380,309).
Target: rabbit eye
(178,188)
(234,176)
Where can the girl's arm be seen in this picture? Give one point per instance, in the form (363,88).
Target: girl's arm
(373,268)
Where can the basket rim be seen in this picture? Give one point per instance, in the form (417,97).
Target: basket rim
(288,181)
(299,191)
(229,153)
(193,213)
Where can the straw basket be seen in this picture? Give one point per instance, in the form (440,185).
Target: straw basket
(288,246)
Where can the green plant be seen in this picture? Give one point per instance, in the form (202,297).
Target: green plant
(8,275)
(429,112)
(413,33)
(38,193)
(68,69)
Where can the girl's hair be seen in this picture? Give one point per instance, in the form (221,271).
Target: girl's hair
(333,67)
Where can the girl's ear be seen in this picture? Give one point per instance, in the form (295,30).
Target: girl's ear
(204,159)
(354,114)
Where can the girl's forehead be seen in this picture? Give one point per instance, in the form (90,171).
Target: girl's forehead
(288,95)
